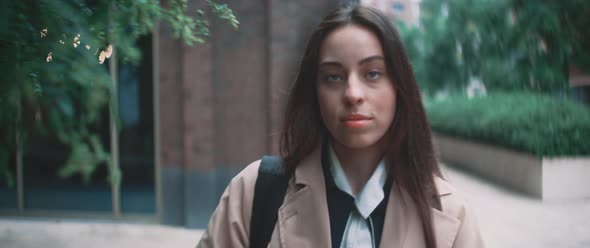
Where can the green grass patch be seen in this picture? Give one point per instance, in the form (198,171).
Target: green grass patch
(537,124)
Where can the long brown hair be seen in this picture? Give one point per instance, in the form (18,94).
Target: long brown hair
(410,157)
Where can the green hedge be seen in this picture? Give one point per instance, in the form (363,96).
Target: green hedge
(538,124)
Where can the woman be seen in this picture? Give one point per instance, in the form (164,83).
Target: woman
(357,148)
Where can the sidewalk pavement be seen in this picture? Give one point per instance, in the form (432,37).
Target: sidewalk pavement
(30,233)
(507,220)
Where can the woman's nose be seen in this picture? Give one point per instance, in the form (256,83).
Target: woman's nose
(354,93)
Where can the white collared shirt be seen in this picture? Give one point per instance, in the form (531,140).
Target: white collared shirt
(357,232)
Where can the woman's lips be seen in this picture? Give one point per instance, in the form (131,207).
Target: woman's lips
(356,120)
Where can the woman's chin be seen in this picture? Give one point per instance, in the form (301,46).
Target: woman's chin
(357,143)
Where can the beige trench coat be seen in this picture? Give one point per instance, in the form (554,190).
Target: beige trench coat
(303,219)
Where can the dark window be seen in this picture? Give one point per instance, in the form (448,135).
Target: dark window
(44,156)
(8,192)
(136,139)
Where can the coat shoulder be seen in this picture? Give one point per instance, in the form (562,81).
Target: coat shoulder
(241,187)
(455,205)
(452,200)
(229,225)
(247,177)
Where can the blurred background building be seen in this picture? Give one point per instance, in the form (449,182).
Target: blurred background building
(580,82)
(407,11)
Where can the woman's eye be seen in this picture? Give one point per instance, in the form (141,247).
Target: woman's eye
(373,75)
(333,77)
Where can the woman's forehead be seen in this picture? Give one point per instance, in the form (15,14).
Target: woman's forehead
(350,44)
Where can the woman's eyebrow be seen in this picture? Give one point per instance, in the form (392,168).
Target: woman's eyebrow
(363,61)
(371,58)
(330,64)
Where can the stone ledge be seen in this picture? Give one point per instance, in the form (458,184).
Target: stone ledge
(566,178)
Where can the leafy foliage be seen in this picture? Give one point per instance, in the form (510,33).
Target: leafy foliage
(53,80)
(539,124)
(509,44)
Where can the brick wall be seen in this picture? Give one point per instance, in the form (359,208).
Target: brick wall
(220,103)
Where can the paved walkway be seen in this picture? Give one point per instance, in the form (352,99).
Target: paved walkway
(30,233)
(507,220)
(511,220)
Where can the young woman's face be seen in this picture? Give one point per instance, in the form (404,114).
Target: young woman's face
(356,96)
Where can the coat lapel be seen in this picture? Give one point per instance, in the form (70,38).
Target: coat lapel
(303,218)
(402,227)
(397,222)
(445,225)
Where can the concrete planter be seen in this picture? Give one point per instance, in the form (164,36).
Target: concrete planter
(564,178)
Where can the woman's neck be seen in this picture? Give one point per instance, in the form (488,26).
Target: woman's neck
(359,164)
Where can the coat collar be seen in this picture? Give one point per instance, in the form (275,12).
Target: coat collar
(304,220)
(309,171)
(404,229)
(442,186)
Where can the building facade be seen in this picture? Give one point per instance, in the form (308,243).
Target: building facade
(219,104)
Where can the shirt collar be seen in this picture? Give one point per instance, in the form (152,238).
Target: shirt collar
(372,193)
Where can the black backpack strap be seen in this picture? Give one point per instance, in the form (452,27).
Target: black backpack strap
(269,192)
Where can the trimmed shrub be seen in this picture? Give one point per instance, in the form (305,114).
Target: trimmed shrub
(537,124)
